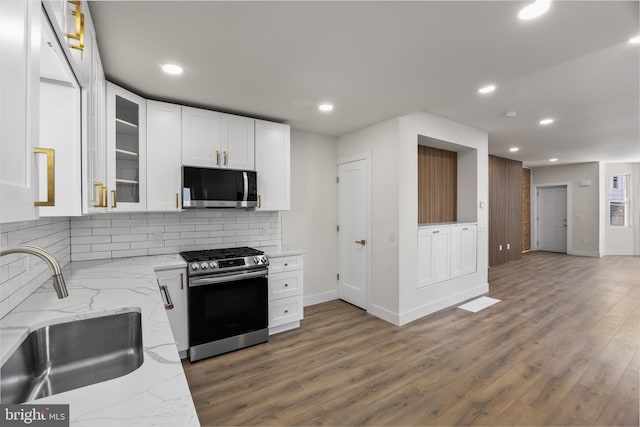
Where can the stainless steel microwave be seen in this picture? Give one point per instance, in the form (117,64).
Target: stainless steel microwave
(218,188)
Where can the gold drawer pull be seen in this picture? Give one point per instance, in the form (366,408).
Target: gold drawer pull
(115,202)
(259,201)
(465,228)
(225,158)
(436,231)
(218,157)
(177,200)
(51,176)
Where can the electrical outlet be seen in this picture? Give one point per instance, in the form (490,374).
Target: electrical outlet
(584,242)
(500,247)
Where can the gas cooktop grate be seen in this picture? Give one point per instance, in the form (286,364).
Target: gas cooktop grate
(217,254)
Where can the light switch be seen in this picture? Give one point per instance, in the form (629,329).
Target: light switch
(482,204)
(390,236)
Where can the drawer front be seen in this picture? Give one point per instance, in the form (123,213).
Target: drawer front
(285,310)
(287,263)
(285,284)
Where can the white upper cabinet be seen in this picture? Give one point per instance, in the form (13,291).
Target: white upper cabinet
(19,109)
(237,142)
(217,140)
(126,151)
(272,145)
(73,22)
(164,172)
(201,135)
(60,131)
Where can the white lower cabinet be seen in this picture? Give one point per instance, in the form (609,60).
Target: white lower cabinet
(463,250)
(285,293)
(445,252)
(176,283)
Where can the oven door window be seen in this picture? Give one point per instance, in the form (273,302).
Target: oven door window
(227,309)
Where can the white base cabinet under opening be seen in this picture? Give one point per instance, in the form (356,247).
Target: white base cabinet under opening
(176,282)
(445,252)
(285,293)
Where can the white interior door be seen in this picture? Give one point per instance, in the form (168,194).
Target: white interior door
(552,219)
(353,239)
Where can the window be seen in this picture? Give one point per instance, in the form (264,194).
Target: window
(619,200)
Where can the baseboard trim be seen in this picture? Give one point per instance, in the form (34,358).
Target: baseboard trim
(594,254)
(432,307)
(320,298)
(384,314)
(623,252)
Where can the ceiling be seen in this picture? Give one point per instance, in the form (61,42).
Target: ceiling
(378,60)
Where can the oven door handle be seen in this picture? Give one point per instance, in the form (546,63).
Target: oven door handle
(224,278)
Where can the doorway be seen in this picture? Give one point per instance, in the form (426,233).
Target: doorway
(354,243)
(552,218)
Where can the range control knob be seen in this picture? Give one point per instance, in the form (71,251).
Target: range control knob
(264,259)
(256,260)
(204,265)
(212,264)
(195,266)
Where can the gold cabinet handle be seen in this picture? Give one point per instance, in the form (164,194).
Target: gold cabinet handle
(181,280)
(177,201)
(218,157)
(51,176)
(225,158)
(79,34)
(115,202)
(105,198)
(361,242)
(259,201)
(436,231)
(100,195)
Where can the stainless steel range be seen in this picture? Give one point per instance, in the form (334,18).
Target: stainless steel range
(227,300)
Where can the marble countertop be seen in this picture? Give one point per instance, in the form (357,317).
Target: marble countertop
(155,394)
(280,251)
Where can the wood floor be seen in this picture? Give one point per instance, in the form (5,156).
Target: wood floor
(560,349)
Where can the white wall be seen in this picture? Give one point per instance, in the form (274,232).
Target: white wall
(381,140)
(621,240)
(21,274)
(416,302)
(583,213)
(311,222)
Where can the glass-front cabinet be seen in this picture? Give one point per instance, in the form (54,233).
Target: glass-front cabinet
(126,150)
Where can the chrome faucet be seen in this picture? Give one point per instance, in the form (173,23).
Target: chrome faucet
(54,265)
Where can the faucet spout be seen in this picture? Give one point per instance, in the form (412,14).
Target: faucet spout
(56,277)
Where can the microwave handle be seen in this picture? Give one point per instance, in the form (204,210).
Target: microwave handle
(245,179)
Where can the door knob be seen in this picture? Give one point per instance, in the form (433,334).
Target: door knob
(361,242)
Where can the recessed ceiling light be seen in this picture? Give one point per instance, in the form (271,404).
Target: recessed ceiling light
(634,40)
(534,9)
(325,107)
(553,160)
(514,149)
(171,69)
(487,89)
(547,121)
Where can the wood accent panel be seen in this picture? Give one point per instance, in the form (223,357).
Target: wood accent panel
(526,209)
(437,185)
(551,353)
(505,210)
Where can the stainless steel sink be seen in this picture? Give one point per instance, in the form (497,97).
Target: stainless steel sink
(66,356)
